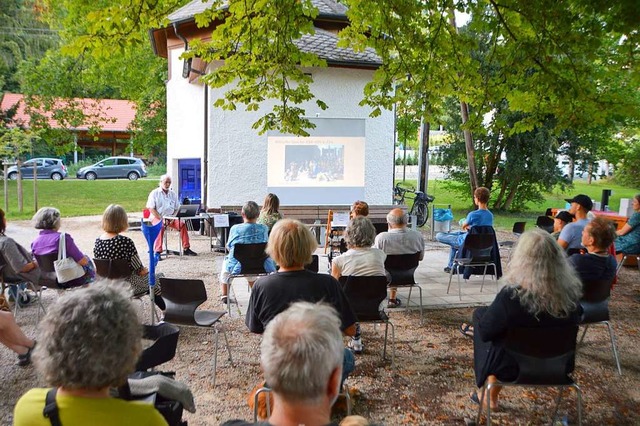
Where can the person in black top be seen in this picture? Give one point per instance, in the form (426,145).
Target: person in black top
(541,290)
(597,264)
(291,246)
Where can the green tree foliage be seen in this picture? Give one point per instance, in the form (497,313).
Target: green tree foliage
(104,54)
(22,37)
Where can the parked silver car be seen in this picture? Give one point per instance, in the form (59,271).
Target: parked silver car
(46,168)
(114,168)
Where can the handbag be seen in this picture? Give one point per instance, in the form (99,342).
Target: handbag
(67,269)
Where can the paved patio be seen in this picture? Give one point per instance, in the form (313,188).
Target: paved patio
(429,276)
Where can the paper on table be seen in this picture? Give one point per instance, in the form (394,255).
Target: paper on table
(340,219)
(221,220)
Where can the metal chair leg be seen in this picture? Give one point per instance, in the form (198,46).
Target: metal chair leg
(459,284)
(579,398)
(613,347)
(215,357)
(255,403)
(586,327)
(555,411)
(484,275)
(421,313)
(226,341)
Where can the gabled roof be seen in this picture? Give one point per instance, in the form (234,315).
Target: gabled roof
(324,44)
(110,115)
(326,8)
(332,16)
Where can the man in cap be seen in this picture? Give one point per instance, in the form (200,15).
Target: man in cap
(571,235)
(560,221)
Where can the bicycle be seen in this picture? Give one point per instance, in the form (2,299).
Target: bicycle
(421,202)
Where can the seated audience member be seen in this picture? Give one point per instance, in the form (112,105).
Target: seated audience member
(269,214)
(16,263)
(47,219)
(162,202)
(628,241)
(571,235)
(597,264)
(291,245)
(560,221)
(480,217)
(399,240)
(301,356)
(248,232)
(541,290)
(359,208)
(89,341)
(113,246)
(359,260)
(12,337)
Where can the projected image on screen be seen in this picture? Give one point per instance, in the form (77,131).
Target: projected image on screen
(314,163)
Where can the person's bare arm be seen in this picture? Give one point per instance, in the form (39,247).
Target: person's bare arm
(29,266)
(563,243)
(335,271)
(155,213)
(84,261)
(625,229)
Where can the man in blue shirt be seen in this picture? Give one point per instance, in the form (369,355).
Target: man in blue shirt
(571,235)
(480,217)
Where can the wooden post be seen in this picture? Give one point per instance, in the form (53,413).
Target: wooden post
(35,186)
(6,188)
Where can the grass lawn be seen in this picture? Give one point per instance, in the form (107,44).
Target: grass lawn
(75,197)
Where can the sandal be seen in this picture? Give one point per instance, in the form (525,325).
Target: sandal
(466,330)
(476,400)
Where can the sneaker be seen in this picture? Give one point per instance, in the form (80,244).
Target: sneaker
(447,270)
(356,345)
(158,257)
(224,300)
(394,303)
(189,252)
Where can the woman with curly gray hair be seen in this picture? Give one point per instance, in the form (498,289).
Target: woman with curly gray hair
(359,260)
(541,290)
(47,220)
(89,341)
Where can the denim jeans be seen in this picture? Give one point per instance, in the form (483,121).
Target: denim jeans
(348,365)
(451,239)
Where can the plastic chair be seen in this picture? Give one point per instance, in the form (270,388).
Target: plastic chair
(624,258)
(18,289)
(545,222)
(265,390)
(402,268)
(478,252)
(251,258)
(163,349)
(365,295)
(595,307)
(517,230)
(545,358)
(182,297)
(112,268)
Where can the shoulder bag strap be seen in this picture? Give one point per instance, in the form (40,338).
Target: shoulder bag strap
(51,408)
(62,247)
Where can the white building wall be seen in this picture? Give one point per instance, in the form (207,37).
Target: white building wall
(238,155)
(185,117)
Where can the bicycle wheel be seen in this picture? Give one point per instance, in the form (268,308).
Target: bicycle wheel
(421,210)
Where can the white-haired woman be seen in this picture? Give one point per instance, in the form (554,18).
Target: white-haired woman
(541,290)
(359,260)
(47,220)
(89,341)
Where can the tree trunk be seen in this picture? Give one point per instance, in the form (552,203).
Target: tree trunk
(423,180)
(589,173)
(468,139)
(20,199)
(497,203)
(572,169)
(512,194)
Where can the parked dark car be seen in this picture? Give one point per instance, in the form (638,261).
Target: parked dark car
(114,168)
(47,168)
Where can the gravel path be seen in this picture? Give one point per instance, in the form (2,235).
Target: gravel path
(430,383)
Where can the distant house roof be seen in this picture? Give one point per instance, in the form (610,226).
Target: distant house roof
(326,8)
(110,115)
(332,15)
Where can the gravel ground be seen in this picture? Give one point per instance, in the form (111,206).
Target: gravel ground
(433,373)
